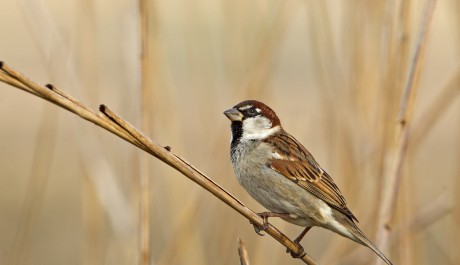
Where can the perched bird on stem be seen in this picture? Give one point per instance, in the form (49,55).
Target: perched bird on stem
(279,173)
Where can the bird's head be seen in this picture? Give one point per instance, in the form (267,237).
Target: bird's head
(252,120)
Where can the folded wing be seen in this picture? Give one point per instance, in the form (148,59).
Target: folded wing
(301,168)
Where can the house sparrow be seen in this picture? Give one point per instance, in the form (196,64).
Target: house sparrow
(279,173)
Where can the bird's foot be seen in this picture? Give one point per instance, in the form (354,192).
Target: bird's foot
(265,223)
(300,253)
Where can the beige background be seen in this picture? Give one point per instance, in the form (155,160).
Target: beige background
(69,192)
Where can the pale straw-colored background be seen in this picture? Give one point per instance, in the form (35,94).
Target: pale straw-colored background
(333,71)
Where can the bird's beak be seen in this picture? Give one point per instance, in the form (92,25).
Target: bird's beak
(233,114)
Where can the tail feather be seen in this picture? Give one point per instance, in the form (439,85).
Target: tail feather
(363,240)
(366,242)
(346,227)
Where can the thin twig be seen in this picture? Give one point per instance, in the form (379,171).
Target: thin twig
(242,251)
(118,126)
(393,180)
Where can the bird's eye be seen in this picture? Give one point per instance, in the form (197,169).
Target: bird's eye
(252,112)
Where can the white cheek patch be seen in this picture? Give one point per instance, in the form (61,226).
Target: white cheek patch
(258,128)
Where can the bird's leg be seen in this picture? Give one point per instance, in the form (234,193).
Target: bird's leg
(301,252)
(265,216)
(304,232)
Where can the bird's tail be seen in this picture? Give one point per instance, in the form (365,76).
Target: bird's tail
(363,240)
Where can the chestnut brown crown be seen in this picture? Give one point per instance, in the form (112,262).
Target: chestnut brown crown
(252,108)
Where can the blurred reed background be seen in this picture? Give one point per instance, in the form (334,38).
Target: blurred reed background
(334,71)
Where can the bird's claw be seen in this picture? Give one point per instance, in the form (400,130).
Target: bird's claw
(258,229)
(264,226)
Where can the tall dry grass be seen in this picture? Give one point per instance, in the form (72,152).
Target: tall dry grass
(334,72)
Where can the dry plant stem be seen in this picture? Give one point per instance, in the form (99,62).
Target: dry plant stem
(387,206)
(146,125)
(126,131)
(242,251)
(412,80)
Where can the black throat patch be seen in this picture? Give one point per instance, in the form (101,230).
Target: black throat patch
(237,132)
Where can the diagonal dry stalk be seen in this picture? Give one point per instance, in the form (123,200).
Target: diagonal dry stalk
(393,180)
(243,252)
(111,122)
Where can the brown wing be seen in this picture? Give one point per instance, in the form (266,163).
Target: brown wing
(302,168)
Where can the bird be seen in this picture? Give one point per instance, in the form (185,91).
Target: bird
(283,176)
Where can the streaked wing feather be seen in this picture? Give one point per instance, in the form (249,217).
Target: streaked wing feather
(302,168)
